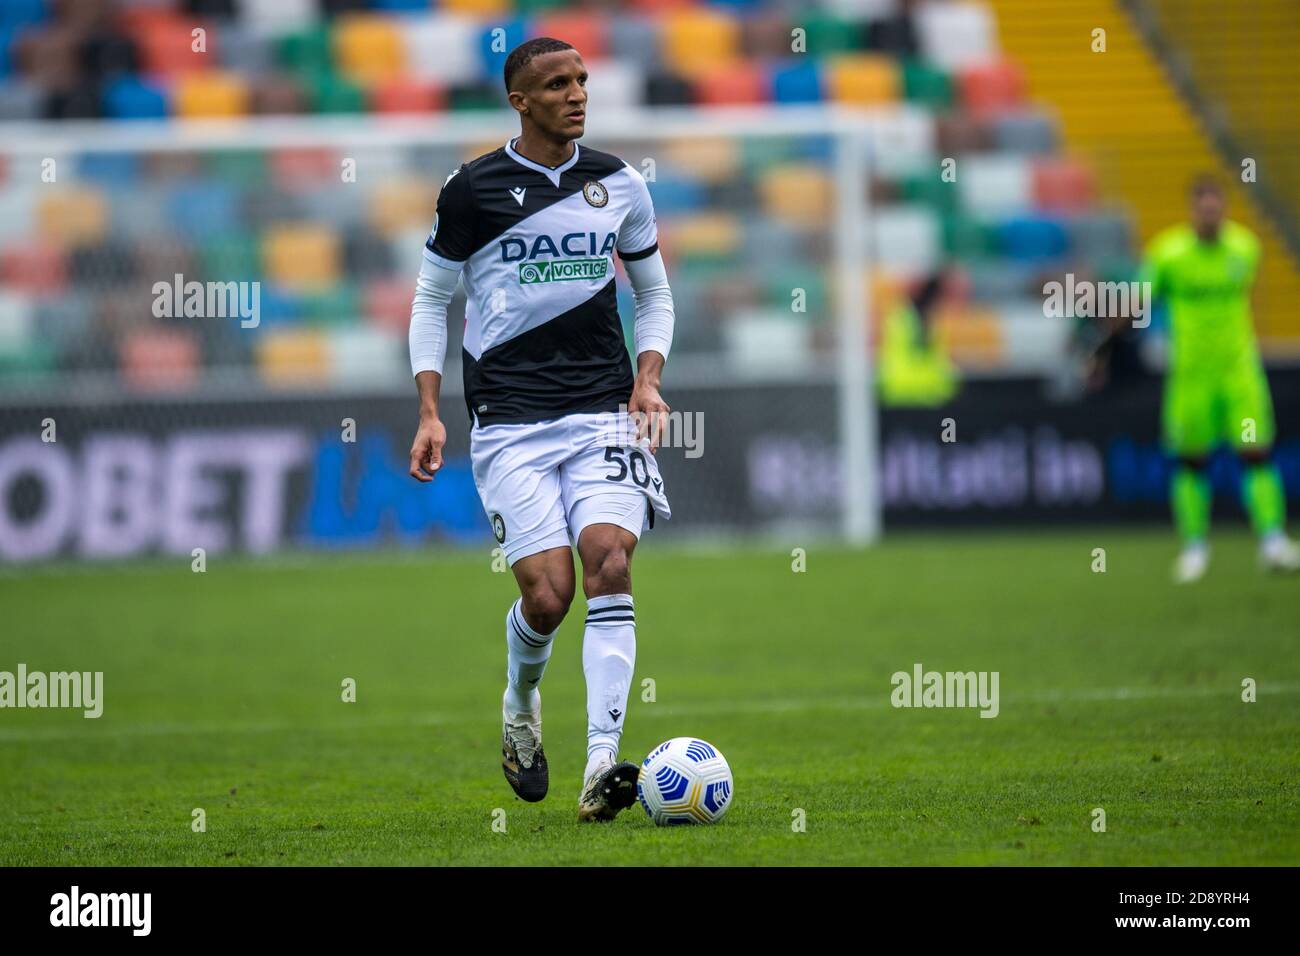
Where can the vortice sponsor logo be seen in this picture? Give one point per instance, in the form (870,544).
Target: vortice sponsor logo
(562,270)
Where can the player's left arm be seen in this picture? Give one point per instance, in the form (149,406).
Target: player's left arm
(653,336)
(638,247)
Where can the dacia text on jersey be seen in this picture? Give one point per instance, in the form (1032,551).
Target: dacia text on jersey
(593,264)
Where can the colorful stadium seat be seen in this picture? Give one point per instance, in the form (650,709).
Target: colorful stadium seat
(278,16)
(72,215)
(1061,183)
(495,41)
(710,159)
(406,94)
(991,87)
(797,194)
(741,82)
(129,97)
(907,238)
(301,257)
(443,48)
(293,356)
(699,40)
(827,33)
(277,93)
(483,8)
(995,184)
(925,84)
(1033,238)
(1024,132)
(862,79)
(404,202)
(36,268)
(956,35)
(387,304)
(368,48)
(167,42)
(366,354)
(621,82)
(587,33)
(301,168)
(160,359)
(636,39)
(330,93)
(705,236)
(211,94)
(796,81)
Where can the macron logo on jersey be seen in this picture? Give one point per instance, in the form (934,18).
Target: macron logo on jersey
(518,193)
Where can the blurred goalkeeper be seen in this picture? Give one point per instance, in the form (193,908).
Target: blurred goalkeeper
(1216,390)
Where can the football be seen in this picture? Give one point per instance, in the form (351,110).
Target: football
(685,780)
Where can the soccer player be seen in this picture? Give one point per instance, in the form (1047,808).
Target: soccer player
(531,229)
(1215,389)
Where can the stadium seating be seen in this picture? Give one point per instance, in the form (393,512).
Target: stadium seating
(342,261)
(1133,127)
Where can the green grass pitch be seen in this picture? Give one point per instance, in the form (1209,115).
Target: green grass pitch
(223,692)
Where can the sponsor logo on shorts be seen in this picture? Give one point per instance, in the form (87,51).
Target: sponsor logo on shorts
(562,270)
(499,527)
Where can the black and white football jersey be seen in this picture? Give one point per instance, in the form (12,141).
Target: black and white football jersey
(536,245)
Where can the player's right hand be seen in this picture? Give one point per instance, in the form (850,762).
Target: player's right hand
(426,450)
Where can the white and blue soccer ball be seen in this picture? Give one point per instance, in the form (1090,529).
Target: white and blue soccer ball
(685,780)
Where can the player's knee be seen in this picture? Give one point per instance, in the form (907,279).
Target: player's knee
(609,573)
(545,606)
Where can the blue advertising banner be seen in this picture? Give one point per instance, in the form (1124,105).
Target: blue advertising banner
(269,472)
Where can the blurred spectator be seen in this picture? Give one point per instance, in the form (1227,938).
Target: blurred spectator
(913,366)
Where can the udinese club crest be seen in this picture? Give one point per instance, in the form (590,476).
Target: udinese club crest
(499,527)
(595,194)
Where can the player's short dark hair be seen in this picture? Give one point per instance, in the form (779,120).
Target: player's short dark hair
(1205,183)
(523,54)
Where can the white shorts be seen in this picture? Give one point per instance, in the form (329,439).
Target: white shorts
(541,484)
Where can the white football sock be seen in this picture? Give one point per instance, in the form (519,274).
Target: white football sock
(608,656)
(527,652)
